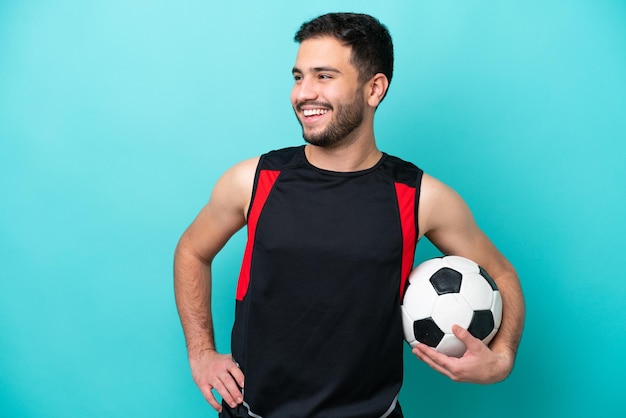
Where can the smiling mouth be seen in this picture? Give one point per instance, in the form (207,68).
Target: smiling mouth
(314,112)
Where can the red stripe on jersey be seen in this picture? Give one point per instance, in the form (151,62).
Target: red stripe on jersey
(406,205)
(265,182)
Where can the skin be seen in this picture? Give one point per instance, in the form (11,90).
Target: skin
(325,83)
(345,116)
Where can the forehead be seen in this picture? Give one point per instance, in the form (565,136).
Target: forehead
(323,52)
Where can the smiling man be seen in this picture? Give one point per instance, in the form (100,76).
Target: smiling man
(320,83)
(332,229)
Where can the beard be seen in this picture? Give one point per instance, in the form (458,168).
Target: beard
(347,117)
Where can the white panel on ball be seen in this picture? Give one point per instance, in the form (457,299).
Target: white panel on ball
(477,291)
(452,309)
(451,346)
(461,264)
(423,296)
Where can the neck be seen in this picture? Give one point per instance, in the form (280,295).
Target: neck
(356,156)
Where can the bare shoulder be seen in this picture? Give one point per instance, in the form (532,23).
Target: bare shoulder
(225,212)
(447,221)
(239,179)
(231,194)
(245,169)
(440,206)
(430,188)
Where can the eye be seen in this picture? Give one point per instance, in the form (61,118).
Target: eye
(297,77)
(324,76)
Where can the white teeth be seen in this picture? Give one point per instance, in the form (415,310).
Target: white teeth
(313,112)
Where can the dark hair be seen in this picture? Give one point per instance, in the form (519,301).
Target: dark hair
(372,47)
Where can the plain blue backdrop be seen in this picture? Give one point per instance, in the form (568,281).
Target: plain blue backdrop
(117,117)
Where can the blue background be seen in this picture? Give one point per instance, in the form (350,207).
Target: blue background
(117,117)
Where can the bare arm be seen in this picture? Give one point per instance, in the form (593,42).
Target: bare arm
(223,215)
(448,223)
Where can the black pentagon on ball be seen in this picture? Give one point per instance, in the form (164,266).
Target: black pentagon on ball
(446,280)
(482,324)
(427,332)
(487,277)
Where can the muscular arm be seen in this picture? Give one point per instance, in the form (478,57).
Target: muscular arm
(448,223)
(223,215)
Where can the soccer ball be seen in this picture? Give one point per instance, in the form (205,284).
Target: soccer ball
(445,291)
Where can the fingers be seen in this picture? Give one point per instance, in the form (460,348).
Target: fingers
(226,388)
(436,360)
(471,343)
(451,367)
(237,374)
(478,364)
(220,373)
(229,387)
(207,392)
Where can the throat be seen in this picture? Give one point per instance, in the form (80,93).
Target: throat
(342,159)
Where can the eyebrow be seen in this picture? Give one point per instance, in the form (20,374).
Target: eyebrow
(317,70)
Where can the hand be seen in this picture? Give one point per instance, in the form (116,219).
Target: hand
(212,370)
(479,364)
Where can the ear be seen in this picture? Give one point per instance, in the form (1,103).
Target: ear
(377,88)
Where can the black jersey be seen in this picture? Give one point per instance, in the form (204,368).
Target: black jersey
(318,328)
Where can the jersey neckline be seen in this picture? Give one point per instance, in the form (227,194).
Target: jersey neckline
(340,173)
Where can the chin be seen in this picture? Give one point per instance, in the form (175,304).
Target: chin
(323,142)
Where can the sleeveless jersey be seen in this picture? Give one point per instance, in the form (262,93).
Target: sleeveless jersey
(318,328)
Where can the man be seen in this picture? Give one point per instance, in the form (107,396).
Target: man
(332,229)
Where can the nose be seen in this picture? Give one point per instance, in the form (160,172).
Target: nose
(304,90)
